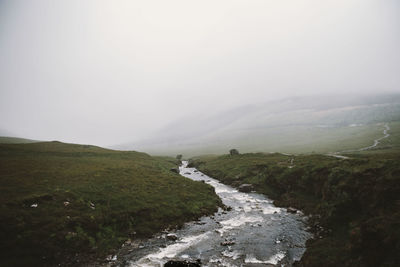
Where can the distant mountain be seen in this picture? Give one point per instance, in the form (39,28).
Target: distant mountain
(299,124)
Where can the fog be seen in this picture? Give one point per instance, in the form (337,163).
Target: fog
(114,72)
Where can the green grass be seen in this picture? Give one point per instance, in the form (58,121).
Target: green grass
(355,200)
(15,140)
(303,139)
(111,196)
(298,139)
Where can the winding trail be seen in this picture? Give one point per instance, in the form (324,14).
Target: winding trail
(375,144)
(252,233)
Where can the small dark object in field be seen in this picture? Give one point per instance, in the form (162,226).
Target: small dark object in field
(233,152)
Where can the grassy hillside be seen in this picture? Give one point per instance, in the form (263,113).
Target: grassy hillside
(15,140)
(61,202)
(284,139)
(355,203)
(293,125)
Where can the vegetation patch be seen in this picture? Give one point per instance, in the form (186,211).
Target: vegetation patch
(60,203)
(15,140)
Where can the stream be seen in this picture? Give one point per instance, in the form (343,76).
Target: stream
(252,233)
(374,145)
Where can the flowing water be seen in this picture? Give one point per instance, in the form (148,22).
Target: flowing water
(374,145)
(253,233)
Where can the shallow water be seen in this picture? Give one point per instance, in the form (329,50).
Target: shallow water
(257,232)
(374,145)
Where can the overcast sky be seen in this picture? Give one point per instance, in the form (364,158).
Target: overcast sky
(109,72)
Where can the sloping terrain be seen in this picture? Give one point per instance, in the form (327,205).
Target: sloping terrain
(60,203)
(294,125)
(15,140)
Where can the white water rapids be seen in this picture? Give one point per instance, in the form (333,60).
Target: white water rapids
(257,234)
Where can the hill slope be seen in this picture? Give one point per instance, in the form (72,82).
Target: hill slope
(15,140)
(61,202)
(293,125)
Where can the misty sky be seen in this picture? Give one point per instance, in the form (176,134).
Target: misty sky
(109,72)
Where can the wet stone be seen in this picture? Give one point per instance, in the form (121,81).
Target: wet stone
(245,188)
(172,237)
(291,210)
(185,263)
(228,243)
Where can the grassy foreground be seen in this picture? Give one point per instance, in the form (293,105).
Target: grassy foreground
(62,202)
(355,203)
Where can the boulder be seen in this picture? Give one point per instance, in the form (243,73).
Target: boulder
(245,188)
(180,263)
(228,243)
(291,210)
(172,237)
(227,208)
